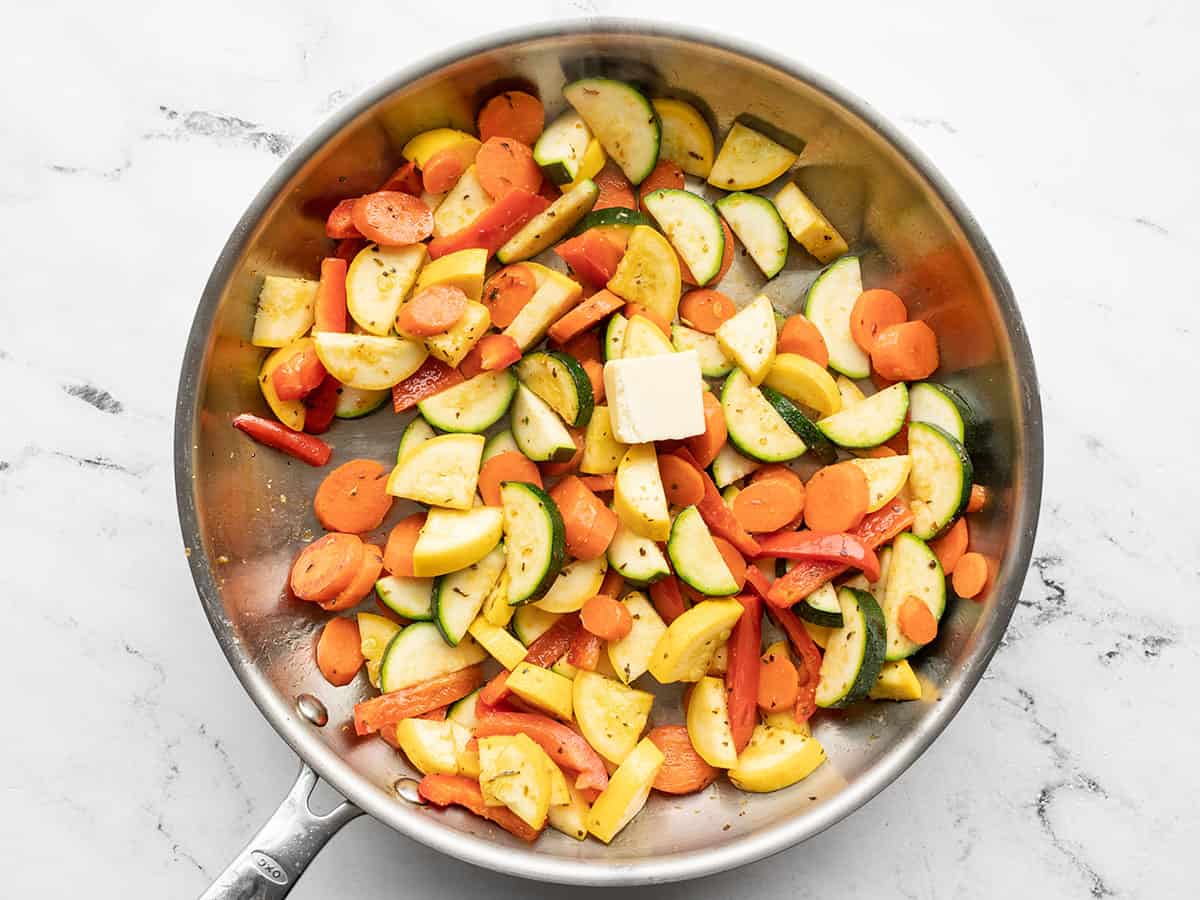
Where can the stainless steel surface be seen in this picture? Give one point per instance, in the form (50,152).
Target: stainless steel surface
(244,510)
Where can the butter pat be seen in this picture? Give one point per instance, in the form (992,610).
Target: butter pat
(655,398)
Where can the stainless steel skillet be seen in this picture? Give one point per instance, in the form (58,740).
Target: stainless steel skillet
(244,510)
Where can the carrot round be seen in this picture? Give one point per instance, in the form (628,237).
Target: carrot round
(704,447)
(726,261)
(326,566)
(916,621)
(905,352)
(504,165)
(733,560)
(706,309)
(588,522)
(768,505)
(512,465)
(978,499)
(951,546)
(683,484)
(636,309)
(802,337)
(513,114)
(443,169)
(836,498)
(606,618)
(683,770)
(664,175)
(874,311)
(353,497)
(402,540)
(778,682)
(615,189)
(506,293)
(339,656)
(970,575)
(433,311)
(361,584)
(392,218)
(773,471)
(588,313)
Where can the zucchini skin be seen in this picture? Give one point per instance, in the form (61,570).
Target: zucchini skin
(818,616)
(875,646)
(558,542)
(819,446)
(580,383)
(968,470)
(609,217)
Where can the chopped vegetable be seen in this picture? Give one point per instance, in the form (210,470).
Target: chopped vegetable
(303,447)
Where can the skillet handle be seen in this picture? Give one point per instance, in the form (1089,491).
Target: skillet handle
(270,865)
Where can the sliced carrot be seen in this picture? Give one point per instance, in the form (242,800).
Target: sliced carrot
(459,790)
(683,484)
(339,225)
(873,311)
(726,261)
(978,499)
(778,682)
(434,310)
(606,618)
(392,218)
(663,176)
(493,353)
(506,293)
(353,497)
(492,229)
(683,770)
(363,582)
(329,309)
(435,715)
(554,469)
(636,309)
(768,505)
(772,471)
(801,336)
(339,655)
(951,546)
(970,575)
(705,447)
(916,621)
(513,114)
(406,179)
(599,484)
(667,598)
(326,566)
(444,168)
(836,498)
(589,523)
(613,584)
(504,165)
(593,255)
(905,352)
(595,374)
(706,309)
(393,707)
(733,559)
(588,313)
(615,189)
(512,465)
(433,377)
(402,540)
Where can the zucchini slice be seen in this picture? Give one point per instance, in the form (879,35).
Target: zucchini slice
(713,361)
(367,361)
(539,432)
(410,598)
(630,656)
(614,336)
(375,632)
(473,406)
(378,282)
(749,160)
(648,273)
(944,407)
(730,466)
(914,571)
(695,557)
(749,338)
(855,651)
(644,338)
(560,149)
(442,471)
(550,225)
(622,120)
(416,432)
(638,559)
(418,654)
(500,442)
(885,477)
(561,381)
(940,479)
(821,449)
(529,623)
(692,226)
(284,312)
(830,300)
(458,597)
(850,391)
(870,422)
(821,607)
(808,224)
(686,138)
(464,203)
(757,224)
(353,403)
(577,582)
(462,711)
(755,427)
(534,539)
(613,217)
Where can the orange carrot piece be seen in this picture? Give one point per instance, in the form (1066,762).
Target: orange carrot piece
(979,498)
(504,165)
(325,567)
(836,498)
(970,575)
(329,309)
(599,484)
(717,515)
(407,703)
(905,352)
(506,293)
(402,540)
(801,336)
(513,114)
(683,770)
(777,471)
(353,497)
(444,168)
(873,311)
(705,447)
(951,546)
(916,621)
(778,682)
(589,523)
(615,189)
(683,484)
(361,584)
(392,218)
(434,310)
(733,560)
(706,309)
(606,618)
(664,175)
(459,790)
(435,715)
(339,656)
(636,309)
(511,465)
(768,505)
(588,313)
(881,452)
(433,377)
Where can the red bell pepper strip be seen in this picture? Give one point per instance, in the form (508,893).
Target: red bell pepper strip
(741,674)
(348,248)
(320,405)
(494,227)
(813,545)
(585,650)
(716,514)
(433,377)
(329,310)
(407,703)
(303,447)
(493,692)
(458,790)
(565,746)
(877,528)
(491,354)
(406,179)
(299,375)
(667,599)
(593,256)
(340,225)
(810,660)
(550,647)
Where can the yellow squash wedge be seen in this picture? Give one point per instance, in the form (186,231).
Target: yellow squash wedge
(799,378)
(627,791)
(749,159)
(683,653)
(638,495)
(649,273)
(430,746)
(547,690)
(774,759)
(610,715)
(289,412)
(463,269)
(442,471)
(452,539)
(708,724)
(512,773)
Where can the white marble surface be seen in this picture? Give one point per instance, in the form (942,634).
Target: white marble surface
(135,133)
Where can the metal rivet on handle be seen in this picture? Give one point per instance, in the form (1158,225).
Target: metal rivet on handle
(312,709)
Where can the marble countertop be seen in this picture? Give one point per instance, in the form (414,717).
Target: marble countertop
(135,134)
